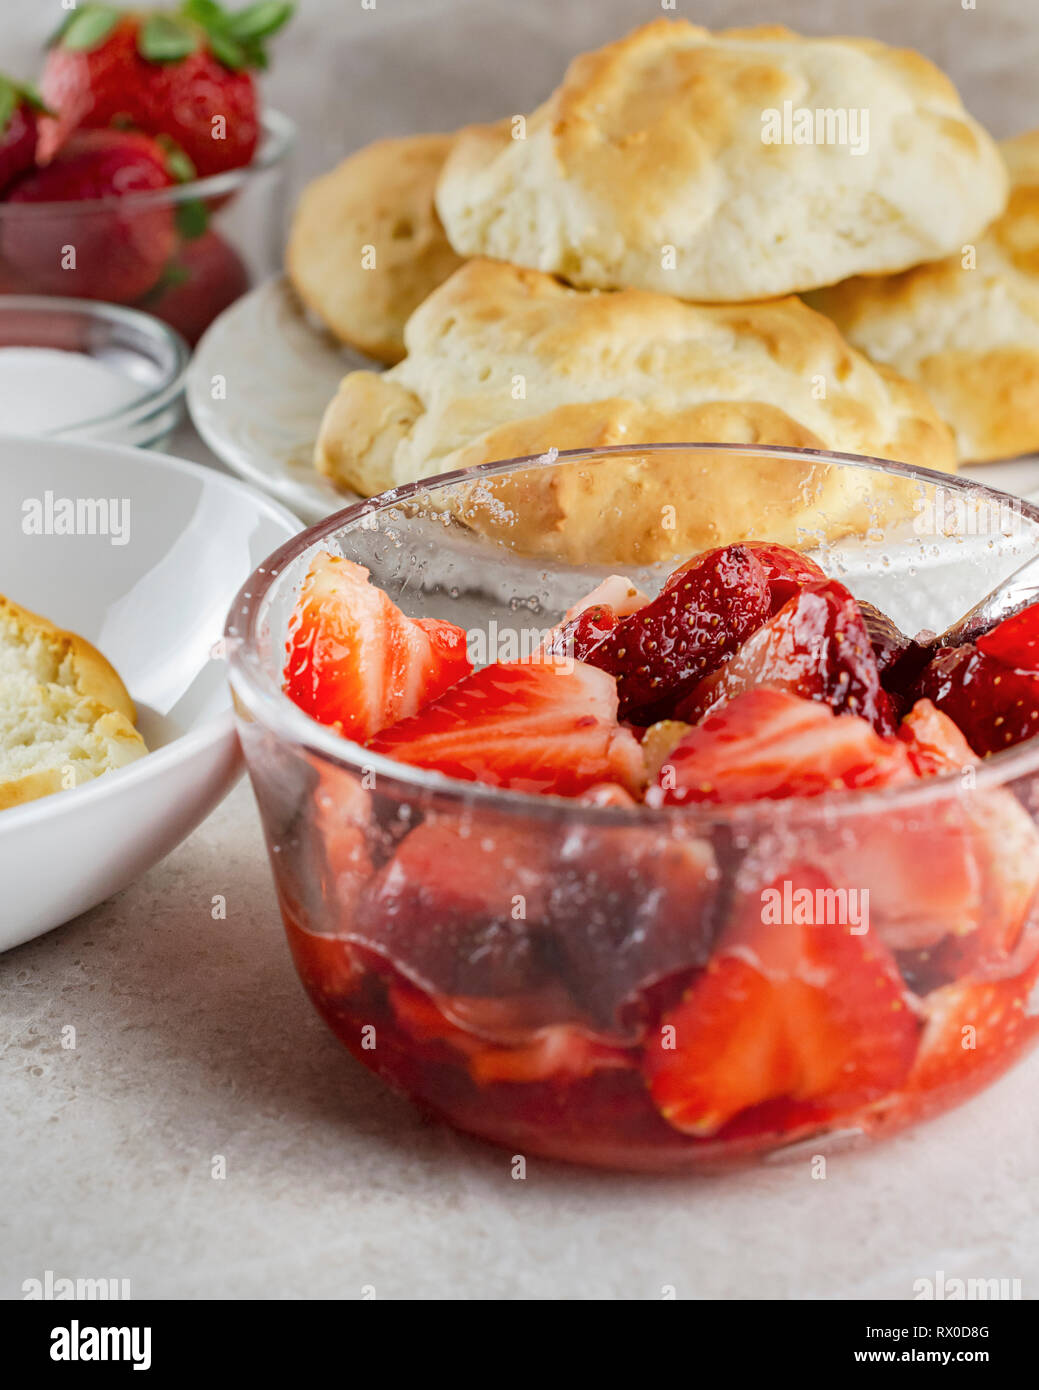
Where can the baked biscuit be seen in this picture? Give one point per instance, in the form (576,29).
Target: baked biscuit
(65,715)
(967,327)
(380,198)
(33,645)
(667,161)
(504,362)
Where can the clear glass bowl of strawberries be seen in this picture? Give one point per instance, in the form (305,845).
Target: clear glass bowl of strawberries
(142,170)
(689,849)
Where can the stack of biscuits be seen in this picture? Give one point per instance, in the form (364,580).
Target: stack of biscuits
(625,266)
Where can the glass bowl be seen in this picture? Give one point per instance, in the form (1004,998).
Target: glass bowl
(150,358)
(574,980)
(182,253)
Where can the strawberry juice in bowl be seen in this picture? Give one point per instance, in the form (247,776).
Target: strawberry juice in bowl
(667,854)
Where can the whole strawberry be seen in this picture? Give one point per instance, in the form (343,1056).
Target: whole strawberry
(204,277)
(80,233)
(19,108)
(183,73)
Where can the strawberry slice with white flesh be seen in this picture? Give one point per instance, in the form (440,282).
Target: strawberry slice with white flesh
(548,726)
(355,661)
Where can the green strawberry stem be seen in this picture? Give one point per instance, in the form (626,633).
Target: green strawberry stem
(235,38)
(13,95)
(164,38)
(8,101)
(192,218)
(86,28)
(173,273)
(179,165)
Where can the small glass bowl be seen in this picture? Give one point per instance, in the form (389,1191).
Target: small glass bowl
(182,254)
(533,969)
(147,352)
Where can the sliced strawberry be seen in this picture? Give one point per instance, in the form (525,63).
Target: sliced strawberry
(616,592)
(591,619)
(418,1015)
(934,743)
(950,878)
(537,727)
(1008,841)
(990,688)
(342,821)
(920,867)
(786,571)
(918,864)
(801,1012)
(628,908)
(592,918)
(995,706)
(1015,641)
(974,1030)
(459,908)
(579,636)
(770,744)
(978,887)
(816,647)
(355,662)
(559,1052)
(330,967)
(706,609)
(1007,922)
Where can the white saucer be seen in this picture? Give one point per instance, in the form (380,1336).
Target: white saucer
(264,372)
(257,388)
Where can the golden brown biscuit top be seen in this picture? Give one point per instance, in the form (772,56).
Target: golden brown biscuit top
(1017,231)
(660,140)
(497,344)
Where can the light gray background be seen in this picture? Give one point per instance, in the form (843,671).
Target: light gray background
(348,75)
(194,1037)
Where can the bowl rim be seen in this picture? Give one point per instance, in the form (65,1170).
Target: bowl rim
(153,400)
(279,137)
(262,696)
(208,732)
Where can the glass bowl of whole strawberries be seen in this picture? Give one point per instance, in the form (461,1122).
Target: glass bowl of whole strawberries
(142,170)
(693,848)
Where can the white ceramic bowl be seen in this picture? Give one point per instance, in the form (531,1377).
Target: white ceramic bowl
(152,597)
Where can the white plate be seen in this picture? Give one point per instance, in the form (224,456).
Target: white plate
(257,388)
(264,372)
(155,606)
